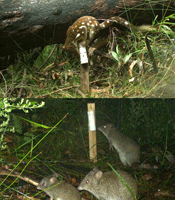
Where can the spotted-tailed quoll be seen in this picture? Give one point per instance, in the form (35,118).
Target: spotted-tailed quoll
(84,30)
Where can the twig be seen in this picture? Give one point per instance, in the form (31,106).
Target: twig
(23,78)
(5,83)
(151,55)
(6,171)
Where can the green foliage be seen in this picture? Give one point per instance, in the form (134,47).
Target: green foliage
(6,107)
(16,124)
(166,25)
(119,57)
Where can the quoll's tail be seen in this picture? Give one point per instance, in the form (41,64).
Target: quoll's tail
(118,20)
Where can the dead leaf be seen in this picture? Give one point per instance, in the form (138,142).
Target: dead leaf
(132,66)
(147,177)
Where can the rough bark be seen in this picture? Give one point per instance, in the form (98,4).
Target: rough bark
(29,24)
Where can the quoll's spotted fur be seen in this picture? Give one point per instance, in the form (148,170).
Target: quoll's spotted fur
(85,29)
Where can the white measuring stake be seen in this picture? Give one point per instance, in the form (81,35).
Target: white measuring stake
(83,54)
(92,132)
(91,120)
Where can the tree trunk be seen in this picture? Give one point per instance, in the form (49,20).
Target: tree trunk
(29,24)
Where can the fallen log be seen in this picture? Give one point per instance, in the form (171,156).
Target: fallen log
(29,24)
